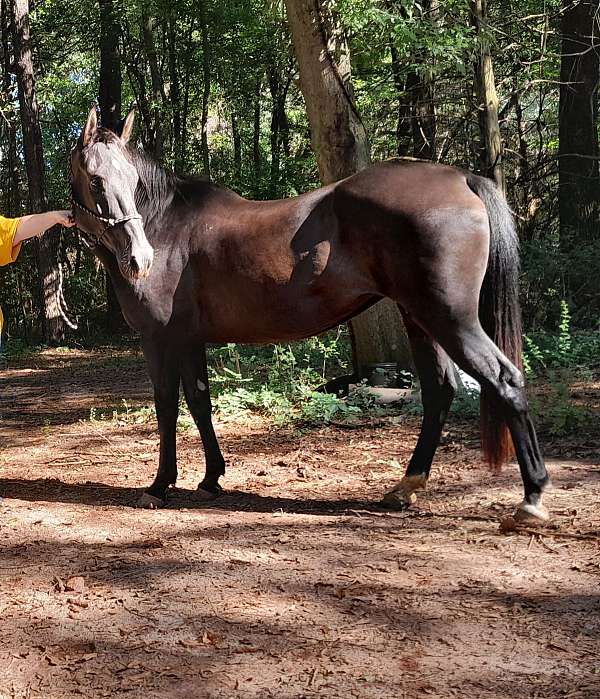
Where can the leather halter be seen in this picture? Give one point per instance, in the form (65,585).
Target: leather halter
(93,240)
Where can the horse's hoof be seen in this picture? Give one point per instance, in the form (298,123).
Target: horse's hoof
(398,500)
(205,492)
(149,502)
(403,495)
(535,515)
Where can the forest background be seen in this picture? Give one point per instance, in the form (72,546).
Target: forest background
(508,89)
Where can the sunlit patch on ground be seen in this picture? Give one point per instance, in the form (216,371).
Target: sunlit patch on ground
(295,583)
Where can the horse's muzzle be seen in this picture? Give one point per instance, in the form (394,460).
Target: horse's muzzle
(136,264)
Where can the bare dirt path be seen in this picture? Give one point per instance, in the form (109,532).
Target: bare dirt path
(294,584)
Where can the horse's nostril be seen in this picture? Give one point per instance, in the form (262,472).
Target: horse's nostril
(133,263)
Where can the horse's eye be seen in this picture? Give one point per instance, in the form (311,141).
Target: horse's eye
(96,184)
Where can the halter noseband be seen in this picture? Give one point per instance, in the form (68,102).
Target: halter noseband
(108,221)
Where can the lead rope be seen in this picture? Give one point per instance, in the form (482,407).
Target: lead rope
(60,297)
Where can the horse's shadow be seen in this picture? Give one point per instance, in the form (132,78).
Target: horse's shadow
(99,494)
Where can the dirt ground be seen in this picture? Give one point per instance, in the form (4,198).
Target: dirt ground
(293,584)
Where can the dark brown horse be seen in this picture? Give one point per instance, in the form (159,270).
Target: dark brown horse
(192,263)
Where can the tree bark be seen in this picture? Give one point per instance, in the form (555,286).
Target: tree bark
(110,82)
(189,45)
(579,184)
(279,136)
(237,148)
(109,98)
(175,97)
(148,25)
(256,135)
(12,161)
(340,142)
(423,119)
(490,156)
(206,85)
(45,248)
(422,95)
(404,119)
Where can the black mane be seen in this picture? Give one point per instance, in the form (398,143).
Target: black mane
(157,187)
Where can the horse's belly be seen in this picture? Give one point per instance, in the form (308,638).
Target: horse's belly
(279,320)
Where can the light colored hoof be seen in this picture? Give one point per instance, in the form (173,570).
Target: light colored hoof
(532,514)
(398,500)
(149,502)
(403,495)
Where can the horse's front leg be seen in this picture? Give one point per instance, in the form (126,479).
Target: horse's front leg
(164,372)
(194,374)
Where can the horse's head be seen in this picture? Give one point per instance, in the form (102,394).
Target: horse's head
(103,186)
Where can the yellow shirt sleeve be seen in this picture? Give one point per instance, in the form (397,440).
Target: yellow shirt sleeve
(8,251)
(8,230)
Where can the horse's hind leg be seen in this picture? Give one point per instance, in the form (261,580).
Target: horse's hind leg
(476,354)
(438,386)
(194,374)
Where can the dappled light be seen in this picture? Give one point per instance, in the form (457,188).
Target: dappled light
(295,582)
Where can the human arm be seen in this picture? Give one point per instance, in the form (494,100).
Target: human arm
(35,224)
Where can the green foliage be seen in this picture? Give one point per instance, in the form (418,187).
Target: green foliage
(279,381)
(558,361)
(466,403)
(545,351)
(554,408)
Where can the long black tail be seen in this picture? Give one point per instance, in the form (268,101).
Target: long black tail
(499,310)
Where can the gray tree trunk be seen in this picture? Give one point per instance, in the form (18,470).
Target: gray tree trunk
(491,152)
(46,247)
(340,142)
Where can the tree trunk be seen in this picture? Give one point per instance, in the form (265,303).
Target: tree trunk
(423,120)
(278,87)
(274,88)
(340,142)
(109,87)
(237,148)
(490,156)
(137,80)
(186,91)
(45,248)
(404,120)
(148,25)
(206,85)
(13,201)
(579,186)
(256,136)
(109,99)
(175,97)
(424,123)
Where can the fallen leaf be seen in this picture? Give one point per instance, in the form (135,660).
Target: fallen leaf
(75,584)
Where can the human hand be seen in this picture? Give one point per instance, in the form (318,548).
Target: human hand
(64,218)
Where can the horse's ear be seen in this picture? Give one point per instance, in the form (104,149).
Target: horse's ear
(128,127)
(90,128)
